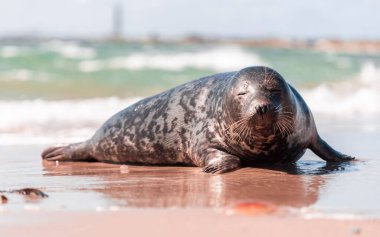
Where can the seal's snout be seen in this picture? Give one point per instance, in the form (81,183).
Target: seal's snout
(263,109)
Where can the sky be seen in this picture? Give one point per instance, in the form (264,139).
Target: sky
(346,19)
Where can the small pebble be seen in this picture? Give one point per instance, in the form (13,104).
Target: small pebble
(31,192)
(3,199)
(124,169)
(56,163)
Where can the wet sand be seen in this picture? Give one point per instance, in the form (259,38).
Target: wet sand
(103,185)
(98,199)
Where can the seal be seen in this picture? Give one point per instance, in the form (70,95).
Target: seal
(220,122)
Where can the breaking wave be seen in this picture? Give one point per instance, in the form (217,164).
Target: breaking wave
(40,121)
(70,50)
(348,99)
(227,58)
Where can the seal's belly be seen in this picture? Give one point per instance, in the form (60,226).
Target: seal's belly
(122,146)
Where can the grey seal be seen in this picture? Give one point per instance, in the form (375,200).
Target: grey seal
(220,122)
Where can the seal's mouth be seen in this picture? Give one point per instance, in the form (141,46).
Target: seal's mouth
(264,116)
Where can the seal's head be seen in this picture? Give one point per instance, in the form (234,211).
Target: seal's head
(259,99)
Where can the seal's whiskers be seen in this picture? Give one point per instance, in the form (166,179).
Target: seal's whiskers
(284,123)
(239,130)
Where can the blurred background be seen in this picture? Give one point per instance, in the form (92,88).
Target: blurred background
(66,66)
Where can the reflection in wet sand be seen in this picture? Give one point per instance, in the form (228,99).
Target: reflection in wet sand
(140,186)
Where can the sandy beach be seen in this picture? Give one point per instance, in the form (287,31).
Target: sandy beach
(163,222)
(101,199)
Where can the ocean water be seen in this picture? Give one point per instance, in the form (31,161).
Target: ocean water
(61,91)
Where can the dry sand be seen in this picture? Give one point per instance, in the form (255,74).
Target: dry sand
(179,222)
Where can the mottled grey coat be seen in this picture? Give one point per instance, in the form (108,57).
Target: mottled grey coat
(219,122)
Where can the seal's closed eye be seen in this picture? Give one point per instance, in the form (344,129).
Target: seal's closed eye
(274,90)
(242,93)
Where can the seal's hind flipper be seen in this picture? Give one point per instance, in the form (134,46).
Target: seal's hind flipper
(71,152)
(326,152)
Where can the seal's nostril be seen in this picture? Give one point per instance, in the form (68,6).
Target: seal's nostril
(257,108)
(262,109)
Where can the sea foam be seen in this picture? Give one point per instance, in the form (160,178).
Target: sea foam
(223,58)
(9,51)
(40,121)
(69,49)
(348,99)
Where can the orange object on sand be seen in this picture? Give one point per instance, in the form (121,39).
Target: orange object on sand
(254,208)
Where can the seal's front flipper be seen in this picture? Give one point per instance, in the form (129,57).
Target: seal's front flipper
(72,152)
(220,162)
(326,152)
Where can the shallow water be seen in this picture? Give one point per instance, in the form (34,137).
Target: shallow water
(349,188)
